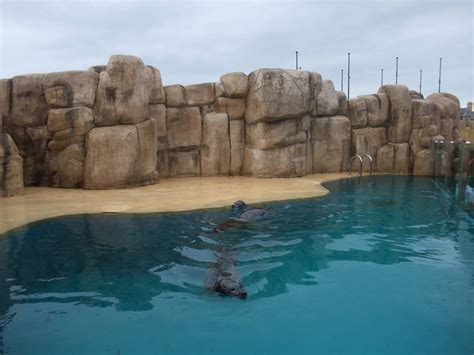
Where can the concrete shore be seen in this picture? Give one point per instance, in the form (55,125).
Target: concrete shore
(171,195)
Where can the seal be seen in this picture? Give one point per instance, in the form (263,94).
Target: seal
(223,277)
(245,214)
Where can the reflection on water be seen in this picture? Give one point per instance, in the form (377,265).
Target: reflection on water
(125,261)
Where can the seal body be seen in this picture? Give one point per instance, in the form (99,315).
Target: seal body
(252,215)
(223,277)
(242,214)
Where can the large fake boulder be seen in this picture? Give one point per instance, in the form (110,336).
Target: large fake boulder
(64,138)
(184,131)
(120,156)
(155,86)
(234,107)
(77,119)
(237,145)
(423,163)
(449,111)
(5,88)
(66,168)
(393,158)
(343,103)
(358,112)
(400,124)
(280,162)
(28,103)
(327,102)
(274,135)
(331,138)
(425,113)
(215,148)
(234,84)
(276,94)
(184,128)
(175,96)
(11,168)
(123,92)
(71,88)
(158,114)
(377,109)
(278,149)
(200,94)
(368,140)
(184,163)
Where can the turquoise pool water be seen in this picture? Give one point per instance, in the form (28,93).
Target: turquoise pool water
(384,267)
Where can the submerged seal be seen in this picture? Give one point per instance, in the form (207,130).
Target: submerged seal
(223,277)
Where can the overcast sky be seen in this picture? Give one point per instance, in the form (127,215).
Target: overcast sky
(198,41)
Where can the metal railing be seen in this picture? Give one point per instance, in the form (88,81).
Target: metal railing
(371,162)
(361,161)
(357,156)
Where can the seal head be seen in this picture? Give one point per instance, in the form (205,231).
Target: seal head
(238,205)
(231,287)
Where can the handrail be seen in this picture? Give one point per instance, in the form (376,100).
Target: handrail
(371,162)
(357,156)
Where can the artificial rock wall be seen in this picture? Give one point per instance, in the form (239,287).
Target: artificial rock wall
(116,126)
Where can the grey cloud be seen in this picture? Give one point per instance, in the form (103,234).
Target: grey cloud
(198,41)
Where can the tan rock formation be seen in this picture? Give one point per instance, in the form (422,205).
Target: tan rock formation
(358,112)
(156,92)
(184,128)
(78,119)
(5,91)
(393,158)
(375,118)
(11,163)
(276,94)
(237,145)
(400,124)
(120,156)
(175,96)
(327,102)
(343,103)
(234,107)
(66,168)
(28,104)
(331,138)
(200,94)
(184,163)
(122,93)
(423,163)
(71,88)
(158,115)
(40,133)
(215,148)
(289,161)
(272,123)
(274,135)
(234,84)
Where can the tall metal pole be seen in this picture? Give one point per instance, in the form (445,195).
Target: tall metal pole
(396,71)
(348,75)
(421,78)
(342,79)
(381,77)
(439,80)
(296,60)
